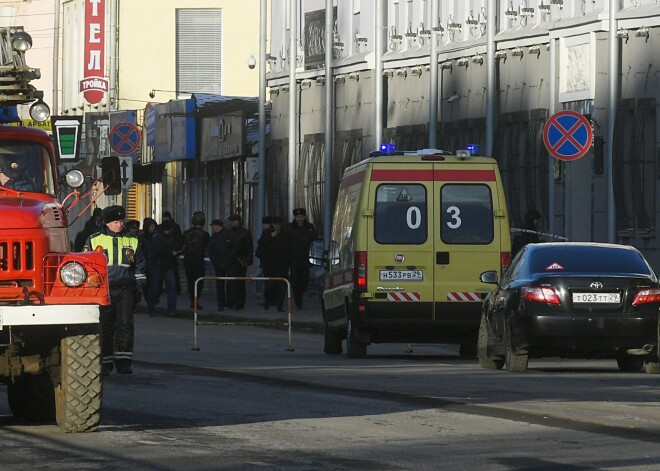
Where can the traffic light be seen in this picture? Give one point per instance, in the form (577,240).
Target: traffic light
(111,175)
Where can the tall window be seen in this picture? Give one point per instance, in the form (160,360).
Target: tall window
(199,50)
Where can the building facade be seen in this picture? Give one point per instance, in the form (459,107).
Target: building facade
(550,56)
(163,59)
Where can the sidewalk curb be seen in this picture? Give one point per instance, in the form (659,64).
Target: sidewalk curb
(240,319)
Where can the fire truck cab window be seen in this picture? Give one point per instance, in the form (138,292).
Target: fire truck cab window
(25,167)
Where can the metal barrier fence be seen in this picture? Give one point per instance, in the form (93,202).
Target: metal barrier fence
(195,346)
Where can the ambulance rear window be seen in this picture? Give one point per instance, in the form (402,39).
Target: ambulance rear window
(400,216)
(467,214)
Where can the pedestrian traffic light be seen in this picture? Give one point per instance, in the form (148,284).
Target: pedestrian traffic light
(111,175)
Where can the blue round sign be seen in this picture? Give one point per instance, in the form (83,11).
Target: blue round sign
(567,135)
(125,138)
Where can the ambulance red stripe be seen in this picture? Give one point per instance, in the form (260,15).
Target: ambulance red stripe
(432,175)
(352,180)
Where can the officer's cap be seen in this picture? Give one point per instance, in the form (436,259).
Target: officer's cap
(277,220)
(299,212)
(266,220)
(234,217)
(113,213)
(217,222)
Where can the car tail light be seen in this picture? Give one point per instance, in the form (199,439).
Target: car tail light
(360,271)
(647,295)
(505,261)
(540,295)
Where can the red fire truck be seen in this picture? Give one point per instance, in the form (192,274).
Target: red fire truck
(49,297)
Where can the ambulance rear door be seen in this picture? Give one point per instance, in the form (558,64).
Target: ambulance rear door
(400,241)
(466,239)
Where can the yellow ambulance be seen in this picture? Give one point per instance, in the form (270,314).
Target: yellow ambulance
(412,233)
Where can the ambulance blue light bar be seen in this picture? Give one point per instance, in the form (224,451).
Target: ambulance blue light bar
(474,149)
(388,149)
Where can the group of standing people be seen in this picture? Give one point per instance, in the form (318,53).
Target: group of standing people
(140,262)
(284,253)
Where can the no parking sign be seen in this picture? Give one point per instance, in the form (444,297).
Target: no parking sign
(567,135)
(125,138)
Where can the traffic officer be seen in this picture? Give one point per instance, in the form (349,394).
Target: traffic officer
(219,251)
(274,245)
(240,258)
(126,273)
(195,241)
(301,234)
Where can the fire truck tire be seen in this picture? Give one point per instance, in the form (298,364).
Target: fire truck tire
(79,394)
(31,399)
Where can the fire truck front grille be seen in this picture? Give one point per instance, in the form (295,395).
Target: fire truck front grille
(16,256)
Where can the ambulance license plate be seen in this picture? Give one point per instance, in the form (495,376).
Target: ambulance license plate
(597,298)
(401,275)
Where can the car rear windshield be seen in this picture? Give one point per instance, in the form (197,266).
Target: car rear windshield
(400,216)
(576,259)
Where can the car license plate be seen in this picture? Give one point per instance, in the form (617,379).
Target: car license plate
(597,298)
(402,275)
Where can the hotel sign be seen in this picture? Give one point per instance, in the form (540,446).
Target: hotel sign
(94,85)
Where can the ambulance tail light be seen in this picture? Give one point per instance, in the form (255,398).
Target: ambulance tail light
(360,275)
(505,261)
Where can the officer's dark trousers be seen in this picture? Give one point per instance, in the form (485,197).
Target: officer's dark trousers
(220,286)
(275,291)
(236,289)
(117,325)
(299,281)
(194,265)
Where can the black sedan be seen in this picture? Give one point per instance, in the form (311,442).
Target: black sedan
(572,300)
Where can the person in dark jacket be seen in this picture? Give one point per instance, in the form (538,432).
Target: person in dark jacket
(93,225)
(219,251)
(126,273)
(274,244)
(266,226)
(239,259)
(178,241)
(301,235)
(132,227)
(149,227)
(195,241)
(530,236)
(161,268)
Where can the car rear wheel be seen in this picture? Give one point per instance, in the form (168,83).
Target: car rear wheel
(514,362)
(354,348)
(630,364)
(652,367)
(486,361)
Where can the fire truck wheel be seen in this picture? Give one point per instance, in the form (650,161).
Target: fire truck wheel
(79,392)
(31,399)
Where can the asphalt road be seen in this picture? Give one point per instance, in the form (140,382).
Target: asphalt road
(244,402)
